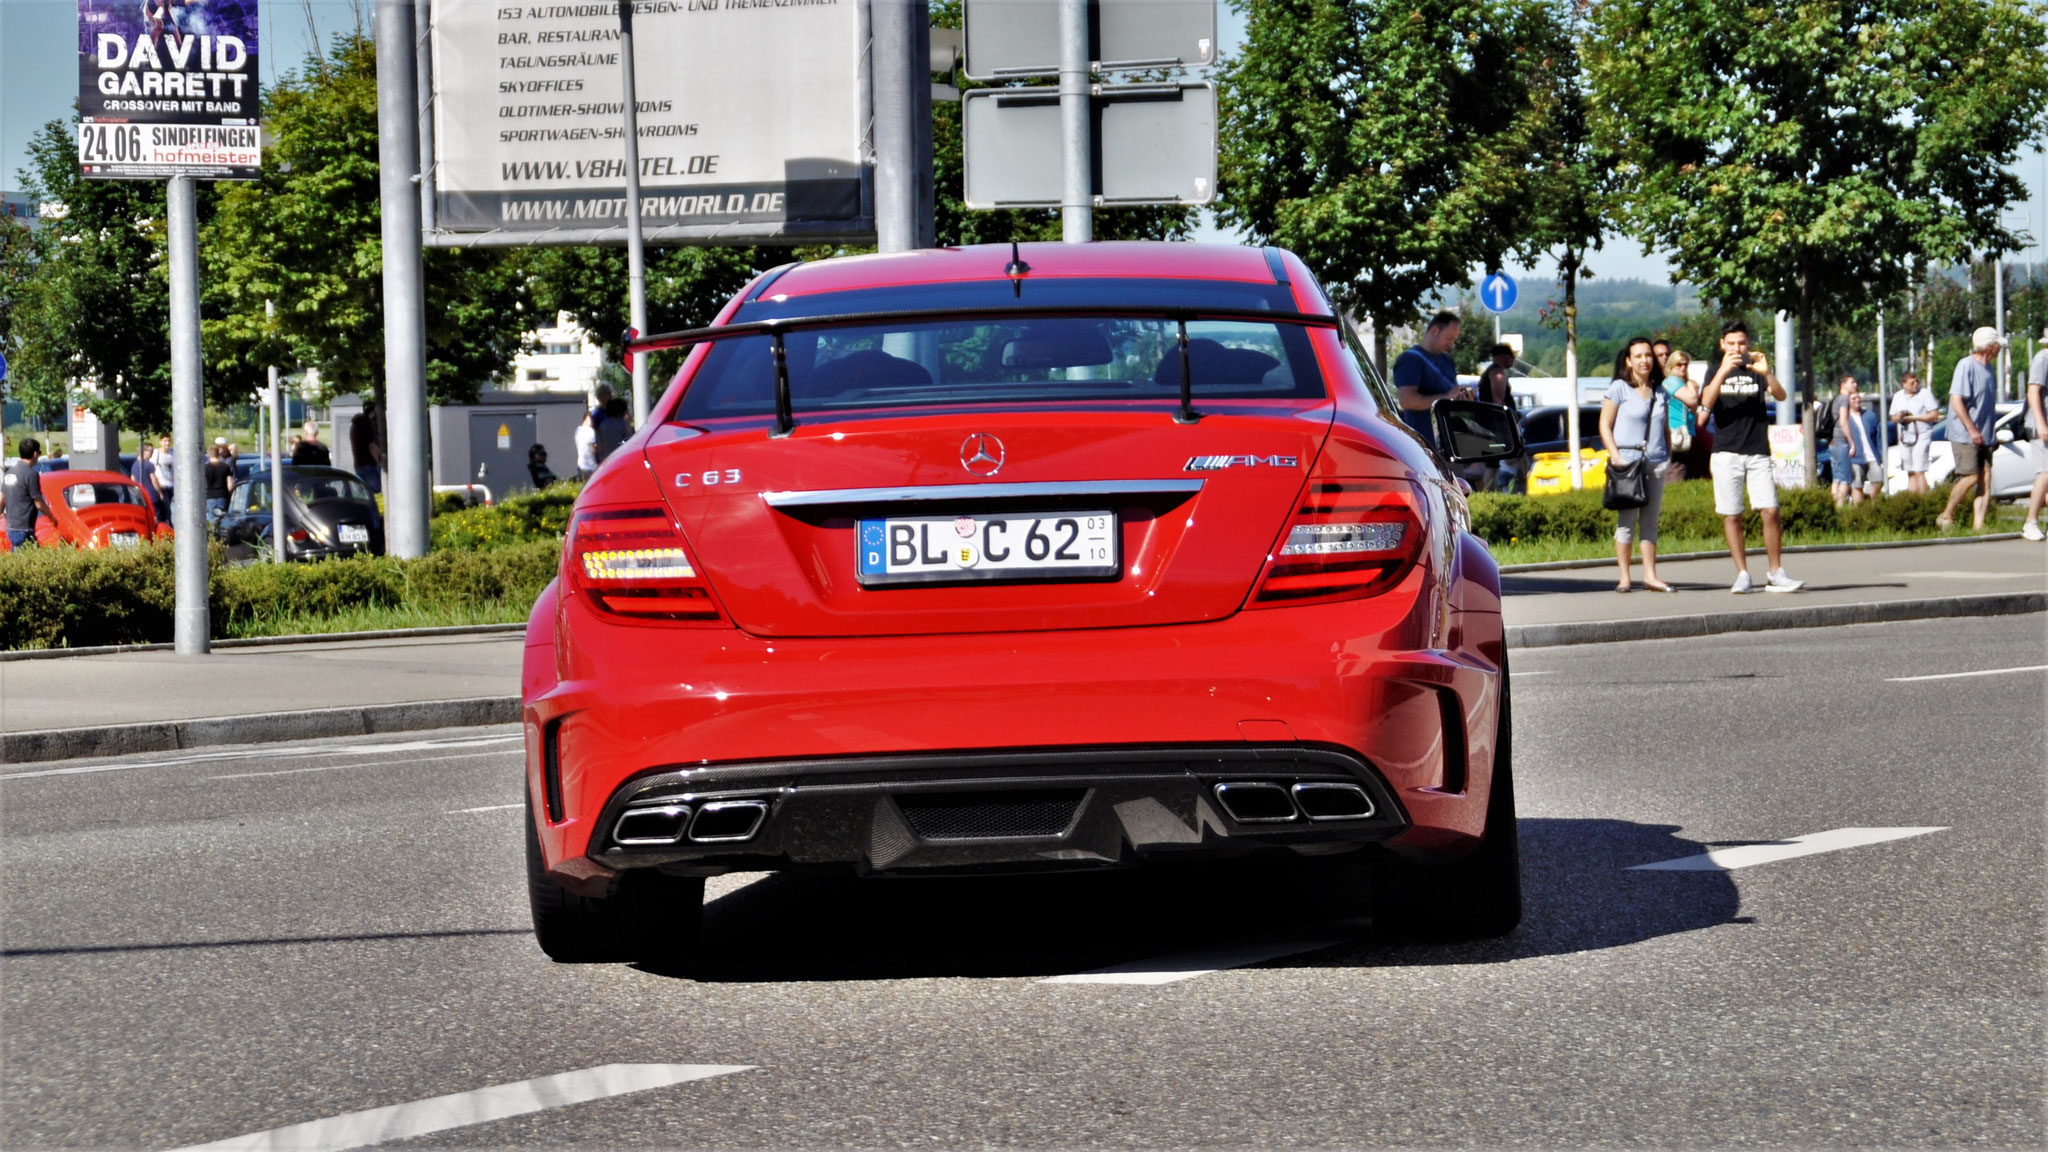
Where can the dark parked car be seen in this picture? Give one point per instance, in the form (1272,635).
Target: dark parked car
(329,511)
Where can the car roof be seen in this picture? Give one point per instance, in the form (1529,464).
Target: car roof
(1111,259)
(71,476)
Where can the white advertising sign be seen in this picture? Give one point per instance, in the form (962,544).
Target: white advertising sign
(750,116)
(85,430)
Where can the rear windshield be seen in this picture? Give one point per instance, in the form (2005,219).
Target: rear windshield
(1014,361)
(1005,362)
(313,489)
(87,495)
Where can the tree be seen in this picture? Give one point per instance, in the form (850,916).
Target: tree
(685,289)
(306,236)
(93,309)
(1801,157)
(1389,143)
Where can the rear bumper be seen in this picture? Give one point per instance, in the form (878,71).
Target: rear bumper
(832,736)
(1040,808)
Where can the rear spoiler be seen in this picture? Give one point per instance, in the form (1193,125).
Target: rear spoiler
(777,329)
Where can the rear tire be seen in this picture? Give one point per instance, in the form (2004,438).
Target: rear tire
(649,918)
(1477,897)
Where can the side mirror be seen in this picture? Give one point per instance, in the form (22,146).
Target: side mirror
(1472,432)
(2005,435)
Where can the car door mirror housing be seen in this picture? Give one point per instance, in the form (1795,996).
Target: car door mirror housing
(1474,432)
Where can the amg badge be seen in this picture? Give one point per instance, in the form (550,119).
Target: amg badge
(1218,463)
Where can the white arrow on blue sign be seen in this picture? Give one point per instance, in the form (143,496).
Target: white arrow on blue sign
(1497,293)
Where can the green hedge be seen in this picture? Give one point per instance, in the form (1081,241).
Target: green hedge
(522,519)
(1688,512)
(61,597)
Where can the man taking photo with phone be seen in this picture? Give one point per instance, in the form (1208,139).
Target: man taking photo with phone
(1735,394)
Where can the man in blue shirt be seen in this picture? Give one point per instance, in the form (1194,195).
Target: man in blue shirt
(1972,411)
(1425,374)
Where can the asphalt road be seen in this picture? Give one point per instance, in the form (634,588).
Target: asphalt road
(207,945)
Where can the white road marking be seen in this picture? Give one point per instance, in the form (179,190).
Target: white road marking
(1172,969)
(485,808)
(270,753)
(344,767)
(1544,672)
(462,1109)
(1966,675)
(1745,855)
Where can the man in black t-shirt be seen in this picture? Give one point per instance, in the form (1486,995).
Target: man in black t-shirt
(220,481)
(1735,394)
(21,490)
(310,451)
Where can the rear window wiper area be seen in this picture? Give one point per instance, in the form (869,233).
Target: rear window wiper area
(1001,356)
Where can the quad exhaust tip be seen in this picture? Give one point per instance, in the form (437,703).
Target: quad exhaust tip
(1271,802)
(717,822)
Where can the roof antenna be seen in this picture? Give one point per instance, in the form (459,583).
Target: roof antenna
(1016,269)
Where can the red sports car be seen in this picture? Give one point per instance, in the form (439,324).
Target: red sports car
(987,559)
(95,510)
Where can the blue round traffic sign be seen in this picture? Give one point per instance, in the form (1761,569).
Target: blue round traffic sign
(3,367)
(1497,293)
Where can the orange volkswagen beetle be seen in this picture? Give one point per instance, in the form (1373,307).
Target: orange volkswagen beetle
(95,510)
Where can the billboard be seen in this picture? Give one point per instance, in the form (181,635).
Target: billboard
(751,120)
(168,89)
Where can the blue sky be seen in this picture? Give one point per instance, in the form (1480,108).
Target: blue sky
(38,81)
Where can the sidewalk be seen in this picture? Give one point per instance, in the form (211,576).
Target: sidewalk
(90,705)
(1580,605)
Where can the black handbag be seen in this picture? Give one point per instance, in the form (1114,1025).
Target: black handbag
(1628,485)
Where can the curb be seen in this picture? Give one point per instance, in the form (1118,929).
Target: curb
(262,727)
(274,641)
(1772,619)
(1789,550)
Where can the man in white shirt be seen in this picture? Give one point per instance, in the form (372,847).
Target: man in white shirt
(1915,412)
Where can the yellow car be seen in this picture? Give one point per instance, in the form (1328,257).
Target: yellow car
(1551,472)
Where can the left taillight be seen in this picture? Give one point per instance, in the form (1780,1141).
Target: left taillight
(631,562)
(1349,539)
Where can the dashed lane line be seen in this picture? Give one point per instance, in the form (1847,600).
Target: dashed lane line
(1173,969)
(1749,855)
(1966,675)
(463,1109)
(259,754)
(485,808)
(346,767)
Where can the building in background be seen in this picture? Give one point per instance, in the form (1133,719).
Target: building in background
(564,359)
(18,208)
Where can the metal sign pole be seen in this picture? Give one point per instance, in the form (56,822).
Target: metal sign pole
(1077,154)
(280,523)
(406,501)
(636,248)
(191,624)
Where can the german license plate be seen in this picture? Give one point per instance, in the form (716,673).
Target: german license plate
(354,534)
(126,539)
(993,546)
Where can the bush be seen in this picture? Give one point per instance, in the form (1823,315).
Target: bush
(521,519)
(1688,513)
(63,597)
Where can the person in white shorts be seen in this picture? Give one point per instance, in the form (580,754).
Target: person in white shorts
(1742,453)
(2037,399)
(1916,413)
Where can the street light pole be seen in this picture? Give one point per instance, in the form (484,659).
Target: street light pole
(191,625)
(406,501)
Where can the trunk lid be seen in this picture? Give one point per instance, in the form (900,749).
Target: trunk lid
(776,522)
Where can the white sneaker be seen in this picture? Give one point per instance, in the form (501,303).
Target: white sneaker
(1779,582)
(2032,531)
(1741,583)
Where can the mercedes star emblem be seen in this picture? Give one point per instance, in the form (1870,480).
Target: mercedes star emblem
(982,454)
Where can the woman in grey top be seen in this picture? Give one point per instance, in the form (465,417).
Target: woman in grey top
(1634,424)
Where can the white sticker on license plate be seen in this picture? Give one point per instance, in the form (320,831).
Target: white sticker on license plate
(988,546)
(354,534)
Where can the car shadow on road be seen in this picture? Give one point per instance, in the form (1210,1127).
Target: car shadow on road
(1578,896)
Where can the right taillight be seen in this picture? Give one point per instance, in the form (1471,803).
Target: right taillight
(631,562)
(1350,538)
